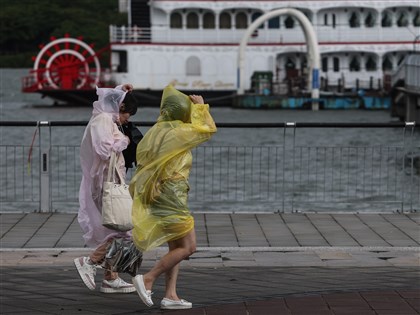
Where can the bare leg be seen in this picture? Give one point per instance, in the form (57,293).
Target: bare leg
(97,257)
(178,251)
(171,278)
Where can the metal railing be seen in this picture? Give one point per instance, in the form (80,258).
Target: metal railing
(345,34)
(287,176)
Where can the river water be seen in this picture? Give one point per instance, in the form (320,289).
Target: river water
(17,106)
(268,146)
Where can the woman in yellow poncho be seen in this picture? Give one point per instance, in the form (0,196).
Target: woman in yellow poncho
(160,189)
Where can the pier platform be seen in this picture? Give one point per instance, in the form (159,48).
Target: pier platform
(268,263)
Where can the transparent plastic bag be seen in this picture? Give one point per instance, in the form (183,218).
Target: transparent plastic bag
(123,256)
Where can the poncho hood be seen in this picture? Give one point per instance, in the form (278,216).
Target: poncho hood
(175,105)
(109,101)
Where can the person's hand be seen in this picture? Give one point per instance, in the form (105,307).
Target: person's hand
(197,99)
(127,87)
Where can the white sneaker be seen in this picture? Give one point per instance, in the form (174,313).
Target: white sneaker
(145,295)
(116,286)
(168,304)
(87,272)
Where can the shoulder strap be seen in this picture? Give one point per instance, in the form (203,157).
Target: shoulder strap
(112,169)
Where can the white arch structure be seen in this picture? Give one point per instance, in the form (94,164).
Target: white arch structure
(312,47)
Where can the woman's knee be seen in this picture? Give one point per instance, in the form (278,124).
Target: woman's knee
(188,248)
(191,248)
(191,243)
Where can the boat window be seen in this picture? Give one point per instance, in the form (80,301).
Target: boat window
(371,64)
(193,66)
(225,21)
(354,20)
(402,20)
(401,59)
(386,19)
(387,64)
(241,20)
(416,19)
(304,64)
(119,61)
(255,16)
(274,23)
(370,20)
(325,19)
(325,64)
(208,20)
(354,64)
(336,64)
(176,20)
(333,21)
(289,22)
(192,20)
(290,64)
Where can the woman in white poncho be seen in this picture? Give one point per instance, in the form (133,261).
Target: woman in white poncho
(101,137)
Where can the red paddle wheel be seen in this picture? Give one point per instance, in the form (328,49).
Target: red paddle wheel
(64,64)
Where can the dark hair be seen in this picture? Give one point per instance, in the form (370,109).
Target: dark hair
(129,105)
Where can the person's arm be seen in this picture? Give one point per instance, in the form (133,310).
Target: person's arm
(103,140)
(200,115)
(125,87)
(189,135)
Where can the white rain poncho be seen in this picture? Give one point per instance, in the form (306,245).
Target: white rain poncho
(100,138)
(160,185)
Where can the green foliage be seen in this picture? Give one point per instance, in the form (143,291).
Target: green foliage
(26,24)
(22,60)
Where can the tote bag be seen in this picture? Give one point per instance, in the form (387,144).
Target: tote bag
(116,200)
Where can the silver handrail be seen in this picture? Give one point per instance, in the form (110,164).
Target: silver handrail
(289,176)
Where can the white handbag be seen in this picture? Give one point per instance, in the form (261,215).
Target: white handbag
(116,200)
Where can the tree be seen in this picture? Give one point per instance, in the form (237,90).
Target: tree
(26,24)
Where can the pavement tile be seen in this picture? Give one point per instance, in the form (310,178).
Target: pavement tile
(227,309)
(405,261)
(192,311)
(312,304)
(414,303)
(334,255)
(349,311)
(395,312)
(410,294)
(274,303)
(241,256)
(289,280)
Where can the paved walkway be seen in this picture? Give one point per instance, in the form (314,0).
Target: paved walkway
(263,264)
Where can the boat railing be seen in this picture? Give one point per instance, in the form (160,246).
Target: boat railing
(291,174)
(164,34)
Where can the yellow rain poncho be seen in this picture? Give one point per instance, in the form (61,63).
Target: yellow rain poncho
(160,185)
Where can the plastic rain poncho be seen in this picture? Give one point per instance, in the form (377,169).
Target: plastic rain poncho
(160,185)
(100,138)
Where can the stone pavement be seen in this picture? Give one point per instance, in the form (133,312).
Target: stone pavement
(261,264)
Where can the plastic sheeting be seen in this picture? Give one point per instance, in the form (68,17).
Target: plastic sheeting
(101,137)
(123,256)
(160,185)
